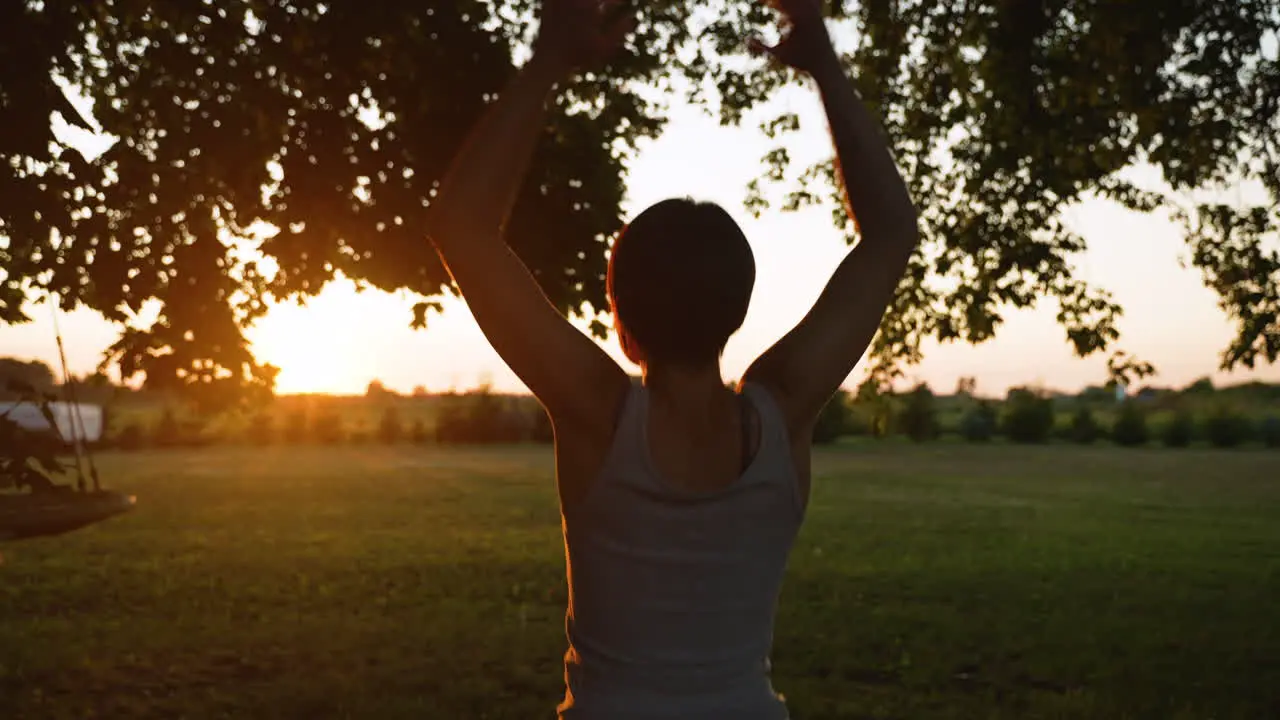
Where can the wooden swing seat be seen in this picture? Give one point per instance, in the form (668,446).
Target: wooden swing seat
(39,514)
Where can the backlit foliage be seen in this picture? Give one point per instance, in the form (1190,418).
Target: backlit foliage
(314,133)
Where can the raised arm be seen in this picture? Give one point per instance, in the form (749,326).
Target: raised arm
(574,379)
(807,366)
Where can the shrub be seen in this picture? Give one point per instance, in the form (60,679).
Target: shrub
(1180,429)
(295,426)
(1084,427)
(479,417)
(260,429)
(452,424)
(418,432)
(1225,428)
(203,434)
(859,423)
(390,428)
(1269,431)
(1028,416)
(327,428)
(834,420)
(1203,386)
(873,408)
(1097,394)
(493,421)
(542,431)
(919,419)
(167,432)
(1130,429)
(979,422)
(130,437)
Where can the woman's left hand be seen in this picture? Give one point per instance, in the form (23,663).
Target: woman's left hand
(581,34)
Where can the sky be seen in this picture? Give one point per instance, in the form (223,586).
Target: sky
(342,340)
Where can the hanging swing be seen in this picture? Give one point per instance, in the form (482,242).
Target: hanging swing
(39,514)
(46,508)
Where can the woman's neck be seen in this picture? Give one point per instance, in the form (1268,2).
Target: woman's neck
(688,391)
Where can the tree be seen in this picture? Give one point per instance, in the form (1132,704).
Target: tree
(1005,113)
(1130,428)
(834,420)
(33,374)
(262,148)
(1028,415)
(1084,427)
(542,432)
(130,437)
(260,429)
(1270,431)
(168,431)
(1097,394)
(875,404)
(296,423)
(480,417)
(919,418)
(1203,386)
(377,390)
(1179,431)
(979,422)
(418,431)
(326,427)
(1226,427)
(390,427)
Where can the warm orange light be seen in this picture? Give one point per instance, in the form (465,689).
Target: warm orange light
(315,346)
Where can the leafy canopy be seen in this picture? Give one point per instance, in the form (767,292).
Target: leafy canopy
(263,147)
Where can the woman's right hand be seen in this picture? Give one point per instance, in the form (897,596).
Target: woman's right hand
(805,43)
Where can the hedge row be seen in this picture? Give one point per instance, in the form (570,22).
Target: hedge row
(475,420)
(1024,417)
(1029,417)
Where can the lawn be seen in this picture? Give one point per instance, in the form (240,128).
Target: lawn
(943,581)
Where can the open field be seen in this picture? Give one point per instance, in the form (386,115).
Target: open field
(940,581)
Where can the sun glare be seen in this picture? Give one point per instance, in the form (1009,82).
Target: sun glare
(317,346)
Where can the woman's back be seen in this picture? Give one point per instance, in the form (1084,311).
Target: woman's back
(672,592)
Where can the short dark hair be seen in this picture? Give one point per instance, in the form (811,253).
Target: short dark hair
(680,280)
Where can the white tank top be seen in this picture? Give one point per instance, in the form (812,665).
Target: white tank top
(672,593)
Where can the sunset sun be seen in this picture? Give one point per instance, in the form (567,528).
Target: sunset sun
(313,345)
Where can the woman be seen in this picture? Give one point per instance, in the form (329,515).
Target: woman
(680,497)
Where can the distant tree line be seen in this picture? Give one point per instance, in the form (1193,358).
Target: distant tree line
(1199,413)
(480,417)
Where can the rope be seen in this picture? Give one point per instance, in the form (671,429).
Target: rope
(78,433)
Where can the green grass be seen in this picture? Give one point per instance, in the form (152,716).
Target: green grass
(945,581)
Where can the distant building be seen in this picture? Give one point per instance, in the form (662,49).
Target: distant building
(28,416)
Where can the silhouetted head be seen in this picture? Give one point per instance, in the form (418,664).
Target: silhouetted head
(680,279)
